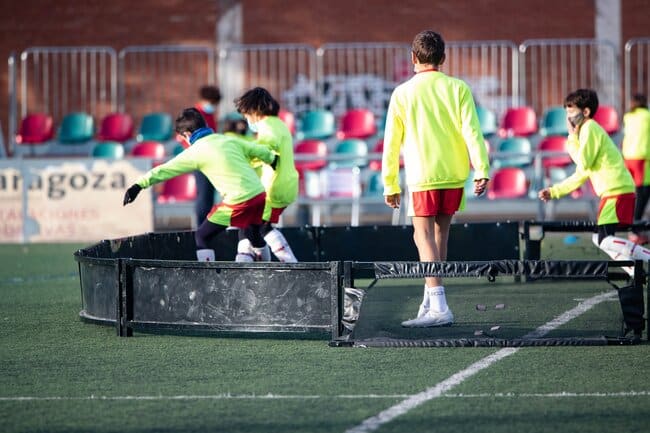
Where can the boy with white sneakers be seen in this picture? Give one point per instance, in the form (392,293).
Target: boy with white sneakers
(432,121)
(225,161)
(598,159)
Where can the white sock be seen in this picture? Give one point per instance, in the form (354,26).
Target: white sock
(245,251)
(280,247)
(437,299)
(425,298)
(262,254)
(205,255)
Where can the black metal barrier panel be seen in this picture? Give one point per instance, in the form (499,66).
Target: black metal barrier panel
(173,274)
(227,296)
(630,296)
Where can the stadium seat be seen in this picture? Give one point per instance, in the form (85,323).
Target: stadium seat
(116,127)
(76,128)
(177,149)
(355,150)
(508,183)
(316,125)
(374,185)
(149,149)
(317,152)
(357,123)
(520,149)
(488,121)
(34,133)
(155,127)
(518,122)
(554,143)
(178,189)
(375,164)
(607,117)
(553,122)
(109,150)
(289,119)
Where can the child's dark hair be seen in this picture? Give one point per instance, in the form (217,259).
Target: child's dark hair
(237,126)
(190,120)
(257,101)
(639,100)
(429,48)
(583,98)
(210,93)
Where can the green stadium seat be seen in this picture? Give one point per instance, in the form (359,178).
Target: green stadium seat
(317,125)
(108,149)
(553,122)
(488,121)
(76,128)
(155,127)
(521,151)
(356,150)
(374,185)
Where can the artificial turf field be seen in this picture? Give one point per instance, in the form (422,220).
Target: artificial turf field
(59,374)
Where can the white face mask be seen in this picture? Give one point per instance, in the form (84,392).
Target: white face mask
(208,108)
(252,126)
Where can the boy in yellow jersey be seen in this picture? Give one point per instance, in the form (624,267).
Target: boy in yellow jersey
(598,159)
(636,152)
(225,161)
(432,120)
(261,112)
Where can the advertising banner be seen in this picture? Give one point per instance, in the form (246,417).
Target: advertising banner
(64,200)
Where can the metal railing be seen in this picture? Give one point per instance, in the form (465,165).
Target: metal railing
(637,67)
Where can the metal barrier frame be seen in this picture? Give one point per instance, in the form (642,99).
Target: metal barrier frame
(639,50)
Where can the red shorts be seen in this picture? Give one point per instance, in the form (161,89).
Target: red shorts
(436,202)
(617,209)
(636,168)
(239,215)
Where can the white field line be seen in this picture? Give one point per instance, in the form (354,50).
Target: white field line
(439,390)
(560,394)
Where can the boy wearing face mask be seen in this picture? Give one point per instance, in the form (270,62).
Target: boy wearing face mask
(261,112)
(209,98)
(598,159)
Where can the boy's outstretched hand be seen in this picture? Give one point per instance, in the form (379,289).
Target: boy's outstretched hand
(131,194)
(544,195)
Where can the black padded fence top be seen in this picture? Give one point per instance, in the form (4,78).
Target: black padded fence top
(576,269)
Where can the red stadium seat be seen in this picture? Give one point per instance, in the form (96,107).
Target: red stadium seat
(518,122)
(36,128)
(317,151)
(508,183)
(357,123)
(289,119)
(149,149)
(554,143)
(116,127)
(178,189)
(607,117)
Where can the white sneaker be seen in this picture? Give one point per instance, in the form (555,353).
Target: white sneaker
(430,319)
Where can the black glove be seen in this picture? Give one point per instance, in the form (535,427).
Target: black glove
(131,193)
(275,162)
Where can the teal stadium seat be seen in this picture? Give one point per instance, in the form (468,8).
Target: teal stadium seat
(109,150)
(356,152)
(488,121)
(374,186)
(553,122)
(76,128)
(155,127)
(316,125)
(520,149)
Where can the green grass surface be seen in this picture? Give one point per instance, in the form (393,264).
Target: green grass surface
(59,374)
